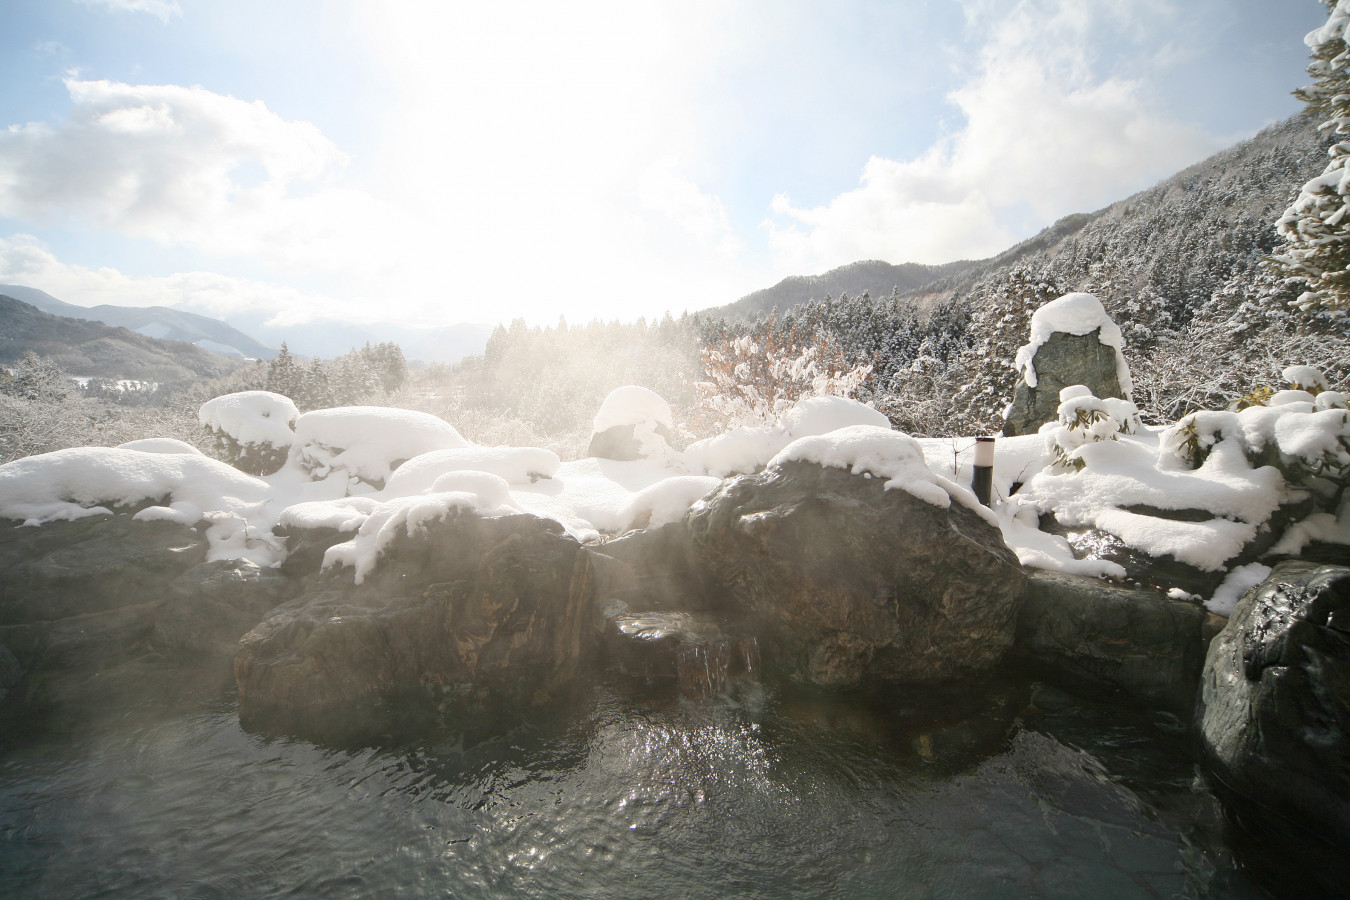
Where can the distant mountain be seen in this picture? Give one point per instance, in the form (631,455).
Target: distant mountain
(333,337)
(91,349)
(152,321)
(252,334)
(870,276)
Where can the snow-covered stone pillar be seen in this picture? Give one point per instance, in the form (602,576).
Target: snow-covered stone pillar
(1073,341)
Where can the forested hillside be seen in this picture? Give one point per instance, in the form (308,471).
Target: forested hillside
(92,349)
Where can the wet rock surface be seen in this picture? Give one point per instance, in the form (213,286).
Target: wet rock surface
(1274,716)
(1062,361)
(104,608)
(90,565)
(1101,638)
(846,582)
(471,610)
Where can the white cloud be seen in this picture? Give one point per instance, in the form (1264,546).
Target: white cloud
(26,260)
(184,165)
(1044,136)
(163,9)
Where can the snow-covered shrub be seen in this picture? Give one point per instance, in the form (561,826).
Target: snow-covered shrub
(1085,419)
(1307,442)
(1304,378)
(367,443)
(251,429)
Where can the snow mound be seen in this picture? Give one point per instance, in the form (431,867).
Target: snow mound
(749,448)
(367,442)
(71,484)
(632,405)
(252,417)
(516,465)
(160,445)
(343,514)
(1076,314)
(402,515)
(888,454)
(741,450)
(667,501)
(821,415)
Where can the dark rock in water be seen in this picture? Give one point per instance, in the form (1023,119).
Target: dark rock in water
(105,611)
(1090,635)
(1275,716)
(91,565)
(470,610)
(11,671)
(667,571)
(212,606)
(305,548)
(621,442)
(847,582)
(1063,360)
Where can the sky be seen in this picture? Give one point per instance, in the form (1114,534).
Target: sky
(430,163)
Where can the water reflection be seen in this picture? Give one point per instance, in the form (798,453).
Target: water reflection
(760,794)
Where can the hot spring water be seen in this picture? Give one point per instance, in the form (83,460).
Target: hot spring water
(759,793)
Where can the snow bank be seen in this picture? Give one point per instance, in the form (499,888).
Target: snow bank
(71,484)
(516,465)
(739,451)
(1076,314)
(160,445)
(189,487)
(1041,550)
(1016,459)
(888,454)
(1124,473)
(252,417)
(367,442)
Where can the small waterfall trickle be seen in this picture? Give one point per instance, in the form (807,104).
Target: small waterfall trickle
(696,653)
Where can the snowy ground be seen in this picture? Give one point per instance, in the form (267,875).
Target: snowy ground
(375,473)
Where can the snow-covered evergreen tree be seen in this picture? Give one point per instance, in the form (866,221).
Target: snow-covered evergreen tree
(1317,225)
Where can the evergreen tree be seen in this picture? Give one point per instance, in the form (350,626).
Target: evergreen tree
(37,378)
(1317,225)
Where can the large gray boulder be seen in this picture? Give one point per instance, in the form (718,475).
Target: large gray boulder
(1090,635)
(106,613)
(469,610)
(847,582)
(1063,360)
(1275,711)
